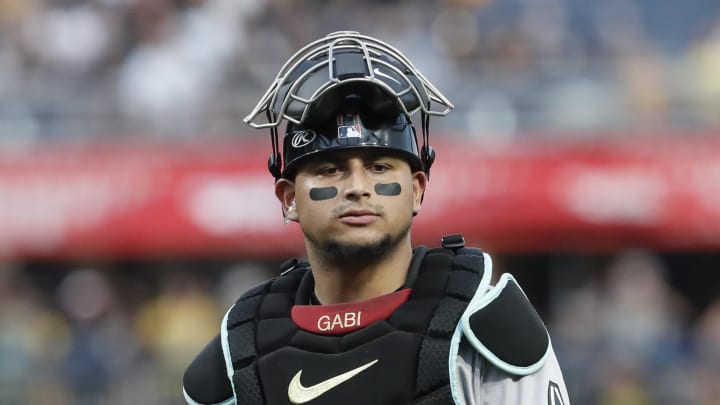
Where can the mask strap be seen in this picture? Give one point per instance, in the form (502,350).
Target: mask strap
(427,154)
(275,159)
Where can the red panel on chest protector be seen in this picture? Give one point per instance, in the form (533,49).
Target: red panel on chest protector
(337,319)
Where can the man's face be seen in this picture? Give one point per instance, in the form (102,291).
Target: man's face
(354,200)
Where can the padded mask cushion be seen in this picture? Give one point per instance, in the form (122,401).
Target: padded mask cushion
(351,73)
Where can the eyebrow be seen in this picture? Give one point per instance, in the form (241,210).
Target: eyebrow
(342,156)
(339,157)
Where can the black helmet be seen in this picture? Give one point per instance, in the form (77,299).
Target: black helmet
(353,126)
(373,88)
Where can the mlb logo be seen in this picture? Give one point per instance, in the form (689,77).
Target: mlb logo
(350,131)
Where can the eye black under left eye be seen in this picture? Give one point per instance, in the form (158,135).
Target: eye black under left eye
(388,189)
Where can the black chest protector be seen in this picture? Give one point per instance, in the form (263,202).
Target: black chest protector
(402,359)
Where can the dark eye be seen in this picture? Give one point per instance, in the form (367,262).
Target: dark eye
(328,170)
(379,168)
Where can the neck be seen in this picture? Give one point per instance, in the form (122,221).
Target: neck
(335,282)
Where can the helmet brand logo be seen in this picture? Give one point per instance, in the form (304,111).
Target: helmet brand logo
(350,131)
(302,138)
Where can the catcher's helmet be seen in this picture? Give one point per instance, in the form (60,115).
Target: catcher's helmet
(353,126)
(378,84)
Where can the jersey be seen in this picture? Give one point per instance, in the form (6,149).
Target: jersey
(425,345)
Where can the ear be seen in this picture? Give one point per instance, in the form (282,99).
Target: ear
(285,193)
(419,183)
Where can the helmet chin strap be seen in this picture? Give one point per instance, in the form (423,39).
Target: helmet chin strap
(275,159)
(427,153)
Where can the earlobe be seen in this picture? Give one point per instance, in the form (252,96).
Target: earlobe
(285,193)
(419,184)
(291,213)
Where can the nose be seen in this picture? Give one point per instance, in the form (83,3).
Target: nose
(357,182)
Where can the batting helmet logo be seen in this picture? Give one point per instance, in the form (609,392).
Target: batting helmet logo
(302,138)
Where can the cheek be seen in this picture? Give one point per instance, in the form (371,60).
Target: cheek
(395,195)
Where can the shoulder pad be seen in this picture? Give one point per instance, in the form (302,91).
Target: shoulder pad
(291,265)
(504,327)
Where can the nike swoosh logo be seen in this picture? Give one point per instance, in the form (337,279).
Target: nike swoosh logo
(300,395)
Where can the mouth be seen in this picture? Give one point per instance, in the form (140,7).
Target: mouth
(358,217)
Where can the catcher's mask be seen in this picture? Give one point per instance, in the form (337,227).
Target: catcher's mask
(347,74)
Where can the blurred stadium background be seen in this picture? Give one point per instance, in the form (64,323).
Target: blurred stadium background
(584,153)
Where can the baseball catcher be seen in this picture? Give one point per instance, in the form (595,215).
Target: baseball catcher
(366,317)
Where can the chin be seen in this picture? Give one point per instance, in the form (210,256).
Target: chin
(359,250)
(353,241)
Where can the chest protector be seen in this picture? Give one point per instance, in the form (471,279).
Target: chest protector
(399,359)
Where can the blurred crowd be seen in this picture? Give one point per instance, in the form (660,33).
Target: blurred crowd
(189,68)
(117,335)
(626,329)
(626,335)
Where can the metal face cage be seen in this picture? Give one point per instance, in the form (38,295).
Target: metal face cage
(317,77)
(342,58)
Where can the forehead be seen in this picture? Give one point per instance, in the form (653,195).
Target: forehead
(365,154)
